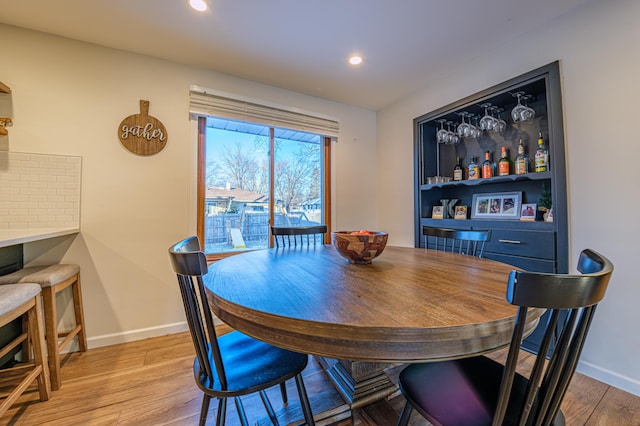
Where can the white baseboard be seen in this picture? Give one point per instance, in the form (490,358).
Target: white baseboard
(133,335)
(611,378)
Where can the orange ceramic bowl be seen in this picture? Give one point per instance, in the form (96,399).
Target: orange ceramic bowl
(361,249)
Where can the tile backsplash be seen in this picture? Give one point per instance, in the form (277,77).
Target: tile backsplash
(39,191)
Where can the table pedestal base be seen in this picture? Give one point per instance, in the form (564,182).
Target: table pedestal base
(359,383)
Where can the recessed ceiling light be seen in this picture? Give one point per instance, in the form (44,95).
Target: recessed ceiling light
(199,5)
(355,60)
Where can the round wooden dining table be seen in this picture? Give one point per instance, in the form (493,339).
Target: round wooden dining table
(364,322)
(408,305)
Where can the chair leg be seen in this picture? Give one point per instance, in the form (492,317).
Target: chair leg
(204,409)
(283,392)
(51,333)
(241,413)
(304,401)
(405,414)
(38,344)
(79,313)
(221,416)
(268,407)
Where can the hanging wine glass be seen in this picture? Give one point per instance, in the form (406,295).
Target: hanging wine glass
(527,113)
(470,131)
(452,137)
(441,134)
(487,121)
(500,125)
(478,131)
(517,110)
(462,128)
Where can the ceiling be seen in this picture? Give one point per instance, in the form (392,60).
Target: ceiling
(300,45)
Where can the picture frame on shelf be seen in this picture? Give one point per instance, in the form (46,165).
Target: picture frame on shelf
(528,212)
(460,213)
(499,205)
(438,212)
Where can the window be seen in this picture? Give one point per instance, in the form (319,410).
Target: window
(251,176)
(258,164)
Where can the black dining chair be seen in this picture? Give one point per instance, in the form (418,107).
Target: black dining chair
(300,235)
(463,241)
(481,391)
(234,364)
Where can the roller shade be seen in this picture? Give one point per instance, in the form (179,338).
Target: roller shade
(205,102)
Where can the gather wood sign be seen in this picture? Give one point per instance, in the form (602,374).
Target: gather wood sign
(141,133)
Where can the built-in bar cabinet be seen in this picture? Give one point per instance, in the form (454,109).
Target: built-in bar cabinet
(536,245)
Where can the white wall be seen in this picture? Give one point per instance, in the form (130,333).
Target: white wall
(69,98)
(600,67)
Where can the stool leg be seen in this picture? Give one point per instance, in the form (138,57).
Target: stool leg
(77,307)
(51,333)
(39,356)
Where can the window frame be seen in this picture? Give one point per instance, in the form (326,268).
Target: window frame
(201,187)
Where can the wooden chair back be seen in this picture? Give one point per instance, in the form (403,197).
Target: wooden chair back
(481,390)
(301,235)
(470,242)
(190,265)
(549,379)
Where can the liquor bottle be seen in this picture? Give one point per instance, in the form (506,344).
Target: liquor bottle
(542,156)
(474,169)
(458,171)
(504,165)
(487,166)
(522,161)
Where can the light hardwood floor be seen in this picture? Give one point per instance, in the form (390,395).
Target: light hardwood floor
(150,382)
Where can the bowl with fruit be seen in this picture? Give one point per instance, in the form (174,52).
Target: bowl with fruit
(359,247)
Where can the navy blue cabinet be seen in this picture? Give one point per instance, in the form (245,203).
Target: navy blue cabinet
(531,245)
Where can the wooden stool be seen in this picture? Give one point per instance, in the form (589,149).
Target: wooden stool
(23,300)
(53,279)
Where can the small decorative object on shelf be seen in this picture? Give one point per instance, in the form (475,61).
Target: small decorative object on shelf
(504,165)
(502,205)
(474,169)
(487,166)
(458,171)
(542,155)
(438,212)
(461,213)
(4,123)
(544,202)
(528,212)
(522,161)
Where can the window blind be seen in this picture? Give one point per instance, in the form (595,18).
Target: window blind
(204,102)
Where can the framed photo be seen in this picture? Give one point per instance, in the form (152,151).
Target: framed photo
(500,205)
(528,212)
(438,212)
(460,213)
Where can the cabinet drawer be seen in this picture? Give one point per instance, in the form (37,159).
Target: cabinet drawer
(514,242)
(526,263)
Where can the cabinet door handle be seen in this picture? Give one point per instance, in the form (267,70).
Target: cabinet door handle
(509,241)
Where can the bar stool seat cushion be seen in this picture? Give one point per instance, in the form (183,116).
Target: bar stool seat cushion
(13,296)
(46,276)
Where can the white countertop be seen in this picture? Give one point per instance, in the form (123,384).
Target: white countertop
(10,237)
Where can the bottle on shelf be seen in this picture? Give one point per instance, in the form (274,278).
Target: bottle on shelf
(542,156)
(504,165)
(473,169)
(522,161)
(458,171)
(487,166)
